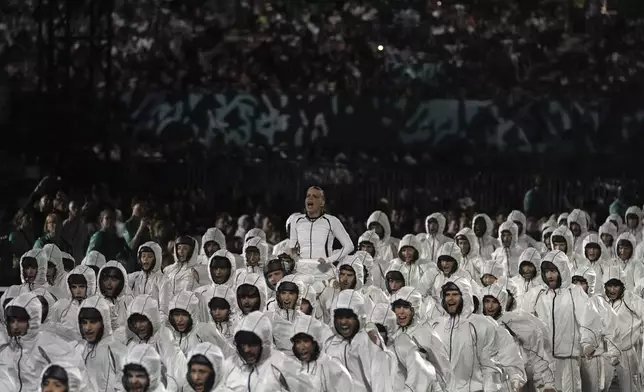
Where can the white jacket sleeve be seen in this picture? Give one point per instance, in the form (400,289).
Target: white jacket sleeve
(334,376)
(509,356)
(171,355)
(340,233)
(587,317)
(208,333)
(487,348)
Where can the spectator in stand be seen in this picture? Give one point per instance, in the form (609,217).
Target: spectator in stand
(107,241)
(53,234)
(75,231)
(535,202)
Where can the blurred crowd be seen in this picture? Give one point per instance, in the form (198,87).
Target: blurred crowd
(416,47)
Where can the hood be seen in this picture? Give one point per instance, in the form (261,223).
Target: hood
(634,210)
(260,325)
(496,291)
(471,238)
(104,308)
(255,233)
(531,255)
(356,265)
(147,357)
(517,216)
(608,228)
(383,315)
(11,293)
(67,256)
(233,265)
(119,266)
(440,218)
(452,250)
(567,235)
(512,228)
(31,304)
(613,272)
(488,223)
(381,218)
(94,258)
(411,295)
(147,306)
(188,301)
(564,217)
(227,293)
(626,236)
(369,236)
(367,261)
(262,246)
(579,217)
(193,260)
(545,231)
(214,356)
(158,254)
(300,287)
(560,260)
(354,301)
(258,281)
(308,326)
(89,276)
(309,294)
(466,295)
(41,260)
(54,255)
(213,234)
(587,272)
(617,219)
(51,300)
(593,238)
(75,379)
(497,268)
(411,241)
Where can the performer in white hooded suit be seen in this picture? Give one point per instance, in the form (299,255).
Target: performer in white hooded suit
(142,370)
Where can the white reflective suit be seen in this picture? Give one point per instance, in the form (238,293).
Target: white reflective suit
(470,261)
(273,371)
(64,313)
(387,246)
(257,281)
(570,317)
(370,366)
(599,264)
(258,233)
(94,259)
(147,357)
(526,283)
(123,299)
(28,355)
(633,268)
(327,375)
(184,276)
(104,358)
(150,282)
(434,281)
(431,243)
(487,244)
(472,345)
(510,255)
(579,217)
(523,240)
(607,228)
(206,292)
(637,231)
(76,382)
(417,272)
(216,358)
(58,285)
(380,265)
(262,247)
(227,327)
(375,294)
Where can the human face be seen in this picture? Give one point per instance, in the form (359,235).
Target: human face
(250,353)
(90,329)
(51,225)
(314,202)
(304,348)
(220,315)
(464,244)
(181,320)
(506,238)
(29,273)
(79,291)
(108,220)
(407,253)
(447,265)
(519,226)
(546,240)
(395,285)
(109,285)
(632,221)
(491,306)
(480,226)
(220,275)
(528,270)
(368,247)
(432,226)
(488,279)
(346,326)
(560,246)
(138,381)
(288,299)
(624,250)
(575,228)
(51,272)
(147,260)
(581,283)
(404,315)
(346,279)
(142,329)
(613,291)
(17,328)
(607,239)
(210,248)
(199,376)
(74,209)
(53,385)
(275,276)
(249,303)
(452,300)
(305,307)
(182,252)
(377,227)
(552,277)
(593,253)
(252,256)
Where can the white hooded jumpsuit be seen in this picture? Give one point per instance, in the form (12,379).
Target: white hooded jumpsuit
(387,247)
(633,268)
(417,272)
(523,240)
(380,265)
(76,382)
(523,284)
(216,358)
(510,255)
(262,247)
(147,357)
(184,276)
(431,243)
(64,313)
(123,299)
(487,244)
(150,282)
(470,261)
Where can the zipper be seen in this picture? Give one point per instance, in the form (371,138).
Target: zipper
(553,322)
(451,332)
(311,241)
